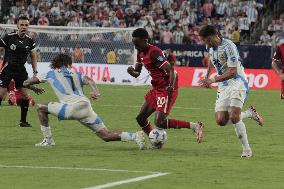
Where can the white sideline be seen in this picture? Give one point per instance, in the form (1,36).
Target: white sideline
(107,185)
(136,179)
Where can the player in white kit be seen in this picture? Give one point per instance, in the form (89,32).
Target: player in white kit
(73,104)
(232,85)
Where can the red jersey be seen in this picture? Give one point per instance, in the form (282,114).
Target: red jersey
(279,54)
(153,60)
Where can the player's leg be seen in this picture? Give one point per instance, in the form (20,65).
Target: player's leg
(142,117)
(237,99)
(4,83)
(163,109)
(252,114)
(24,104)
(44,126)
(240,128)
(90,119)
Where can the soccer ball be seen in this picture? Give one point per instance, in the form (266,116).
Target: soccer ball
(158,137)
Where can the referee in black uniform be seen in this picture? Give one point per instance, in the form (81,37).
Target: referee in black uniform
(17,47)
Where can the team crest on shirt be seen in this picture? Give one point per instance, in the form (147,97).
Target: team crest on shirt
(160,58)
(13,47)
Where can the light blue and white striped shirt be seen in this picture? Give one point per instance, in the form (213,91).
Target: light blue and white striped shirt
(223,57)
(66,83)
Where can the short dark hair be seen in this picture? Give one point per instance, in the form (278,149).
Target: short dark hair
(207,31)
(23,17)
(61,60)
(140,33)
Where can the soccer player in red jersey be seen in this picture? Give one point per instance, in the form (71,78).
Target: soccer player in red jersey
(279,55)
(15,96)
(164,92)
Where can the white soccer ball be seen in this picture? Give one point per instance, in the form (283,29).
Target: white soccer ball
(158,137)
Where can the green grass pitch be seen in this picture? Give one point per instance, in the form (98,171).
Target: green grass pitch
(214,164)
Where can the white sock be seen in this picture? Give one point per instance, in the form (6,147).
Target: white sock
(126,136)
(241,132)
(193,125)
(246,114)
(46,132)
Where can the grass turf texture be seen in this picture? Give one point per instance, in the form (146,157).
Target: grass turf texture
(214,164)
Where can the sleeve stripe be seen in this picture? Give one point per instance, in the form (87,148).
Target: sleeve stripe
(138,63)
(3,42)
(163,64)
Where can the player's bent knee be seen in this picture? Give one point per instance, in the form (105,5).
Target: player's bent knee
(235,119)
(162,124)
(221,122)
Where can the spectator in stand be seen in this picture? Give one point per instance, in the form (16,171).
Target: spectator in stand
(221,8)
(265,37)
(166,36)
(43,20)
(178,36)
(236,36)
(207,9)
(244,24)
(252,13)
(78,55)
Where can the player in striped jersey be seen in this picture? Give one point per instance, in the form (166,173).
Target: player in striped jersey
(73,104)
(232,85)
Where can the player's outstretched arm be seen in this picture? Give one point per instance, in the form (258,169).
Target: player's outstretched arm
(135,71)
(95,92)
(31,81)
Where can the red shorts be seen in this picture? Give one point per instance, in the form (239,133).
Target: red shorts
(160,100)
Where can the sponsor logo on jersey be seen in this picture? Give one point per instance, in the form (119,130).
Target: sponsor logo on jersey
(13,47)
(160,58)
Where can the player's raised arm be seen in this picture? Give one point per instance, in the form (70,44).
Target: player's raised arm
(95,92)
(136,70)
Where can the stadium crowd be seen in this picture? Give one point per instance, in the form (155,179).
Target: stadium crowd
(167,21)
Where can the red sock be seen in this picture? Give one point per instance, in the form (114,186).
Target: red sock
(177,124)
(148,128)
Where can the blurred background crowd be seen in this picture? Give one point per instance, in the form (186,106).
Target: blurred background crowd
(167,21)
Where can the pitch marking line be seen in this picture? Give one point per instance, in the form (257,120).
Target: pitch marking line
(107,185)
(129,106)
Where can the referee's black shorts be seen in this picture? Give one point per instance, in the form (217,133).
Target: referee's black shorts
(16,72)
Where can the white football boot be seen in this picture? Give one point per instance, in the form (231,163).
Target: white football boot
(198,131)
(46,143)
(247,153)
(140,140)
(255,116)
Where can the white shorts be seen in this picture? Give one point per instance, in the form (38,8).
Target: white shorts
(81,111)
(230,97)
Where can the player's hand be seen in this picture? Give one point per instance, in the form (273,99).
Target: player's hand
(130,70)
(95,95)
(205,82)
(37,90)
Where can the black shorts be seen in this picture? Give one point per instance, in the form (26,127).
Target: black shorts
(18,73)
